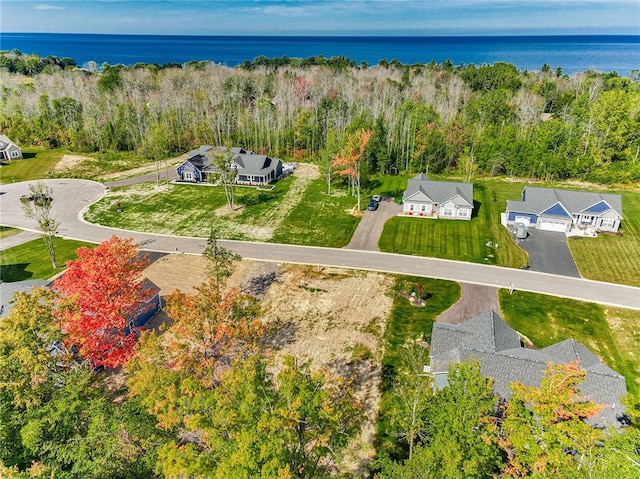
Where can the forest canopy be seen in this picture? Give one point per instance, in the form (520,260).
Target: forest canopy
(488,119)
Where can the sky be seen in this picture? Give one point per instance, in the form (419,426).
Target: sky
(324,17)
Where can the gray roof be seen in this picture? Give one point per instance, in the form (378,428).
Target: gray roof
(438,191)
(497,346)
(536,200)
(8,290)
(248,162)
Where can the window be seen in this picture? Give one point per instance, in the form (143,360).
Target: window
(608,223)
(447,211)
(411,206)
(15,154)
(423,208)
(188,175)
(463,213)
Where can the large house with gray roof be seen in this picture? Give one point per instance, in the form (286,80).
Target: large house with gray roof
(497,346)
(437,199)
(552,209)
(252,169)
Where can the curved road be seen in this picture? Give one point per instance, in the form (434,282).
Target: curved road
(72,196)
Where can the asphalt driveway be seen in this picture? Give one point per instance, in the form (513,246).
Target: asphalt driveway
(367,234)
(549,253)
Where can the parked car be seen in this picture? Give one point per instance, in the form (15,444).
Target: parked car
(377,198)
(373,205)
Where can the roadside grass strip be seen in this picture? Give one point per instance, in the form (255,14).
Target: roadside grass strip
(31,260)
(610,258)
(611,333)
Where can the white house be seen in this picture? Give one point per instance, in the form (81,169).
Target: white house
(438,199)
(9,150)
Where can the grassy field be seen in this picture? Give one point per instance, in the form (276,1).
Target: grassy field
(615,259)
(31,260)
(610,333)
(319,219)
(5,231)
(40,163)
(296,211)
(461,240)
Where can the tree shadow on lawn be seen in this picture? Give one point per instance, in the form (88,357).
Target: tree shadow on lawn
(15,272)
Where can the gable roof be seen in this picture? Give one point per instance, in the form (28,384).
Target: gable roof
(8,290)
(497,346)
(438,191)
(537,200)
(247,161)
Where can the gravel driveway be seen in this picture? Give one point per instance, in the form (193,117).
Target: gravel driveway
(369,229)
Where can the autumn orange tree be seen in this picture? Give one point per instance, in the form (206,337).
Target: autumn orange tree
(544,430)
(101,291)
(348,161)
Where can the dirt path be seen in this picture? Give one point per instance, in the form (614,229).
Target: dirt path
(474,299)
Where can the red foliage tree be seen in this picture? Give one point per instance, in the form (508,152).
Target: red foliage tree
(101,291)
(347,162)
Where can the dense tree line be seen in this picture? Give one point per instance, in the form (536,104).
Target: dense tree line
(464,120)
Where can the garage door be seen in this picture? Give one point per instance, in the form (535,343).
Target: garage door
(548,225)
(523,219)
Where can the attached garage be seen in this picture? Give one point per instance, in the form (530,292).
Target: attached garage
(553,225)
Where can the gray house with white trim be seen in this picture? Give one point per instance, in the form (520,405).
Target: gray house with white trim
(552,209)
(9,150)
(497,346)
(437,199)
(252,169)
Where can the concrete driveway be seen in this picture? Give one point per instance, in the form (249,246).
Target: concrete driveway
(549,253)
(367,234)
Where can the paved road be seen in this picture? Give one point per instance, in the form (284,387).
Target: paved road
(71,196)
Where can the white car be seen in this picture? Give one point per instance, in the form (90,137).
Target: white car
(376,198)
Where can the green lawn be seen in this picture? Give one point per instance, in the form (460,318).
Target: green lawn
(615,259)
(293,212)
(319,219)
(6,231)
(461,240)
(609,332)
(31,260)
(39,163)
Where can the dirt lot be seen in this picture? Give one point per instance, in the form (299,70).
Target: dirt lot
(324,314)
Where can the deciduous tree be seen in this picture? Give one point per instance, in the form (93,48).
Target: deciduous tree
(39,209)
(348,161)
(544,430)
(102,292)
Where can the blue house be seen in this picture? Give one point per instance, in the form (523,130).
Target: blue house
(252,169)
(551,209)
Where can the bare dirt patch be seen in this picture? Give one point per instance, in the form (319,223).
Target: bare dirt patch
(332,317)
(70,161)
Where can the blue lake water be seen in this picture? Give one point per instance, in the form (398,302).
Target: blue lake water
(572,53)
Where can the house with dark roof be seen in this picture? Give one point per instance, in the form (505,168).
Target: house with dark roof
(437,199)
(502,356)
(552,209)
(252,169)
(9,150)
